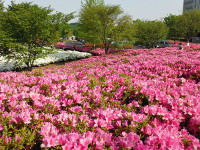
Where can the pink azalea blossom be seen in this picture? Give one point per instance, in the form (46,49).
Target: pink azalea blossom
(136,99)
(1,127)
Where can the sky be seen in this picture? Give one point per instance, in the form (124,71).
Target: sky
(138,9)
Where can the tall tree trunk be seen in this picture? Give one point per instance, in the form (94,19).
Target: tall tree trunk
(29,67)
(106,45)
(106,50)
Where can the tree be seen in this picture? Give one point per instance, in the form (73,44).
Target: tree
(1,5)
(74,28)
(88,21)
(29,27)
(171,21)
(150,32)
(103,23)
(189,24)
(4,38)
(60,26)
(27,23)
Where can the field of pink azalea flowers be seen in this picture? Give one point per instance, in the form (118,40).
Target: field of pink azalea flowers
(141,99)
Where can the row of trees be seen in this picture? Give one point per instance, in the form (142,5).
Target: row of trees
(184,26)
(99,22)
(25,28)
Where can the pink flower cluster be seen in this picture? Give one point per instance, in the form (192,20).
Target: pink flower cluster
(141,99)
(61,45)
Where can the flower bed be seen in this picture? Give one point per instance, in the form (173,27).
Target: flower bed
(138,99)
(89,48)
(58,56)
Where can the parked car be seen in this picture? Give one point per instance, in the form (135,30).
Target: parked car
(163,43)
(122,44)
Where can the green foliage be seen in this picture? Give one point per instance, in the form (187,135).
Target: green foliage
(150,32)
(18,136)
(103,23)
(82,127)
(88,21)
(92,83)
(5,43)
(188,24)
(50,109)
(4,38)
(46,90)
(60,26)
(74,28)
(26,23)
(171,21)
(186,142)
(38,73)
(1,5)
(25,28)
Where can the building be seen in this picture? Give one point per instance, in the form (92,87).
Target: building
(191,4)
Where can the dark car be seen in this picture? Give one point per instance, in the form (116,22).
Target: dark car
(163,43)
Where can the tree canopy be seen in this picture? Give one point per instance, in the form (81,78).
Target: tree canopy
(103,23)
(26,23)
(26,28)
(59,25)
(1,5)
(172,22)
(150,32)
(189,24)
